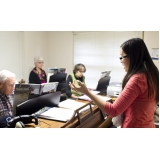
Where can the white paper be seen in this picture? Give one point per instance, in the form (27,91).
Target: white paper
(155,53)
(85,97)
(71,104)
(50,86)
(36,91)
(60,114)
(94,92)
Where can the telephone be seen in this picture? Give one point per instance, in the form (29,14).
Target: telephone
(23,119)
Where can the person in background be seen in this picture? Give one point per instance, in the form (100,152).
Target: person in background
(7,83)
(38,75)
(77,74)
(140,87)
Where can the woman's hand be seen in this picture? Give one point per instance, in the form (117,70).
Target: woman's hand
(81,88)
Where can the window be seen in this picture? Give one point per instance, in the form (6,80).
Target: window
(99,52)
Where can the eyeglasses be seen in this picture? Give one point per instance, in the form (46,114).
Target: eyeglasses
(40,62)
(123,57)
(81,71)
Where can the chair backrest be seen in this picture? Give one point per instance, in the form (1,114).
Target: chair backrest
(61,87)
(59,77)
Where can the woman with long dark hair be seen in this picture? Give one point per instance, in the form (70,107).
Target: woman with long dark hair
(140,87)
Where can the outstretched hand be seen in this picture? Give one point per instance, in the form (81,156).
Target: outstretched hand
(81,88)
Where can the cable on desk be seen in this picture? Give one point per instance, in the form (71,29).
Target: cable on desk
(45,123)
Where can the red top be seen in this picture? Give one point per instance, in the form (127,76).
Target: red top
(138,109)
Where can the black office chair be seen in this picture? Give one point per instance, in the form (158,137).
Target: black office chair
(62,88)
(61,78)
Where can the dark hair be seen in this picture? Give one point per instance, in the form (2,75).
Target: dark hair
(141,62)
(79,67)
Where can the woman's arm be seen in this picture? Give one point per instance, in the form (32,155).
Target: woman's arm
(135,87)
(83,89)
(32,77)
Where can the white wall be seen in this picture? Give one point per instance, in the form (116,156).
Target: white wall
(60,50)
(18,49)
(34,44)
(11,53)
(151,39)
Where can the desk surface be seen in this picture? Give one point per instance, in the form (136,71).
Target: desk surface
(90,120)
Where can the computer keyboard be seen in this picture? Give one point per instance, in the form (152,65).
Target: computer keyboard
(42,110)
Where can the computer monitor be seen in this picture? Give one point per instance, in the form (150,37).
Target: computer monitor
(105,73)
(103,84)
(52,70)
(56,70)
(35,104)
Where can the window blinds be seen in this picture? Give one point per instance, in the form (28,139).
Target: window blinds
(99,52)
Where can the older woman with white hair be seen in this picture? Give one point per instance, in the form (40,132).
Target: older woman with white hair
(38,75)
(7,83)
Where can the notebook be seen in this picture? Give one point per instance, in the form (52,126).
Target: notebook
(62,113)
(56,113)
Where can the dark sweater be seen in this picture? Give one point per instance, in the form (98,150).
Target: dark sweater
(34,78)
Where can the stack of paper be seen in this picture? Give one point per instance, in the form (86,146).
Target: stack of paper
(71,104)
(59,114)
(95,92)
(64,112)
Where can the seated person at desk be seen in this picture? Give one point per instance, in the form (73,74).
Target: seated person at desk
(7,82)
(140,88)
(77,74)
(38,75)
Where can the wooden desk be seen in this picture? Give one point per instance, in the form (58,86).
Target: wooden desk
(90,118)
(45,123)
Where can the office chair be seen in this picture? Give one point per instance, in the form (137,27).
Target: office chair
(62,88)
(61,78)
